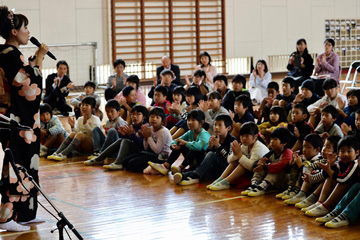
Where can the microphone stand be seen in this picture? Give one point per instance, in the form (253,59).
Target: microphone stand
(63,222)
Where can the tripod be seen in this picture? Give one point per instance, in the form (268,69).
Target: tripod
(63,222)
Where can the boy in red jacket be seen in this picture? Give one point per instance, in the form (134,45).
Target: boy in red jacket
(269,170)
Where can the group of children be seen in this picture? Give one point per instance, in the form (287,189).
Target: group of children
(304,145)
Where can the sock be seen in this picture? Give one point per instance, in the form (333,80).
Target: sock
(312,198)
(301,194)
(264,185)
(73,145)
(65,143)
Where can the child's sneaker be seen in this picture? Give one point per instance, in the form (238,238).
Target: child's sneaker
(189,181)
(246,192)
(305,209)
(59,157)
(328,217)
(43,151)
(114,166)
(295,199)
(217,180)
(318,211)
(339,221)
(221,185)
(52,156)
(96,154)
(149,170)
(292,193)
(178,177)
(310,200)
(256,192)
(92,162)
(159,167)
(175,169)
(286,192)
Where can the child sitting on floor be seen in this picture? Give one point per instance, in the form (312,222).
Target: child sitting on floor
(242,156)
(100,141)
(311,154)
(214,162)
(327,126)
(239,88)
(127,101)
(339,176)
(177,108)
(52,132)
(192,97)
(129,142)
(212,108)
(191,145)
(269,171)
(264,110)
(299,127)
(160,99)
(81,136)
(242,114)
(277,119)
(157,140)
(89,89)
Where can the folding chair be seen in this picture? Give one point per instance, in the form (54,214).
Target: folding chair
(353,65)
(352,86)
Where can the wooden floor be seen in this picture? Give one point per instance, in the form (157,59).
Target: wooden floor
(124,205)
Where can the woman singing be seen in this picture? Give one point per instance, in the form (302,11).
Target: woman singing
(24,83)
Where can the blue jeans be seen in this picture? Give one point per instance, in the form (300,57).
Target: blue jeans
(210,168)
(350,203)
(100,142)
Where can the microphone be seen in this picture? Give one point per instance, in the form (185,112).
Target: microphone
(9,155)
(37,43)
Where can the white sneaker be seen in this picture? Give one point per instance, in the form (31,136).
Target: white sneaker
(305,209)
(328,217)
(189,181)
(175,169)
(317,211)
(59,157)
(92,162)
(339,221)
(221,185)
(293,191)
(12,226)
(52,156)
(35,220)
(307,202)
(93,156)
(114,166)
(247,191)
(294,200)
(178,177)
(159,167)
(256,192)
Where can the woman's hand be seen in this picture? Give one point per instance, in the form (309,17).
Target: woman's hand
(292,59)
(40,54)
(254,74)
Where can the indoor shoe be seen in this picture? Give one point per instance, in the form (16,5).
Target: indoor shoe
(12,226)
(328,217)
(318,211)
(149,170)
(221,185)
(306,202)
(286,192)
(52,156)
(178,177)
(114,166)
(246,192)
(294,200)
(256,192)
(175,169)
(92,162)
(310,207)
(93,156)
(291,193)
(159,167)
(339,221)
(189,181)
(59,157)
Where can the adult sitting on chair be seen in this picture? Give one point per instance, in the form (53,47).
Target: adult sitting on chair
(327,63)
(166,65)
(116,82)
(57,88)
